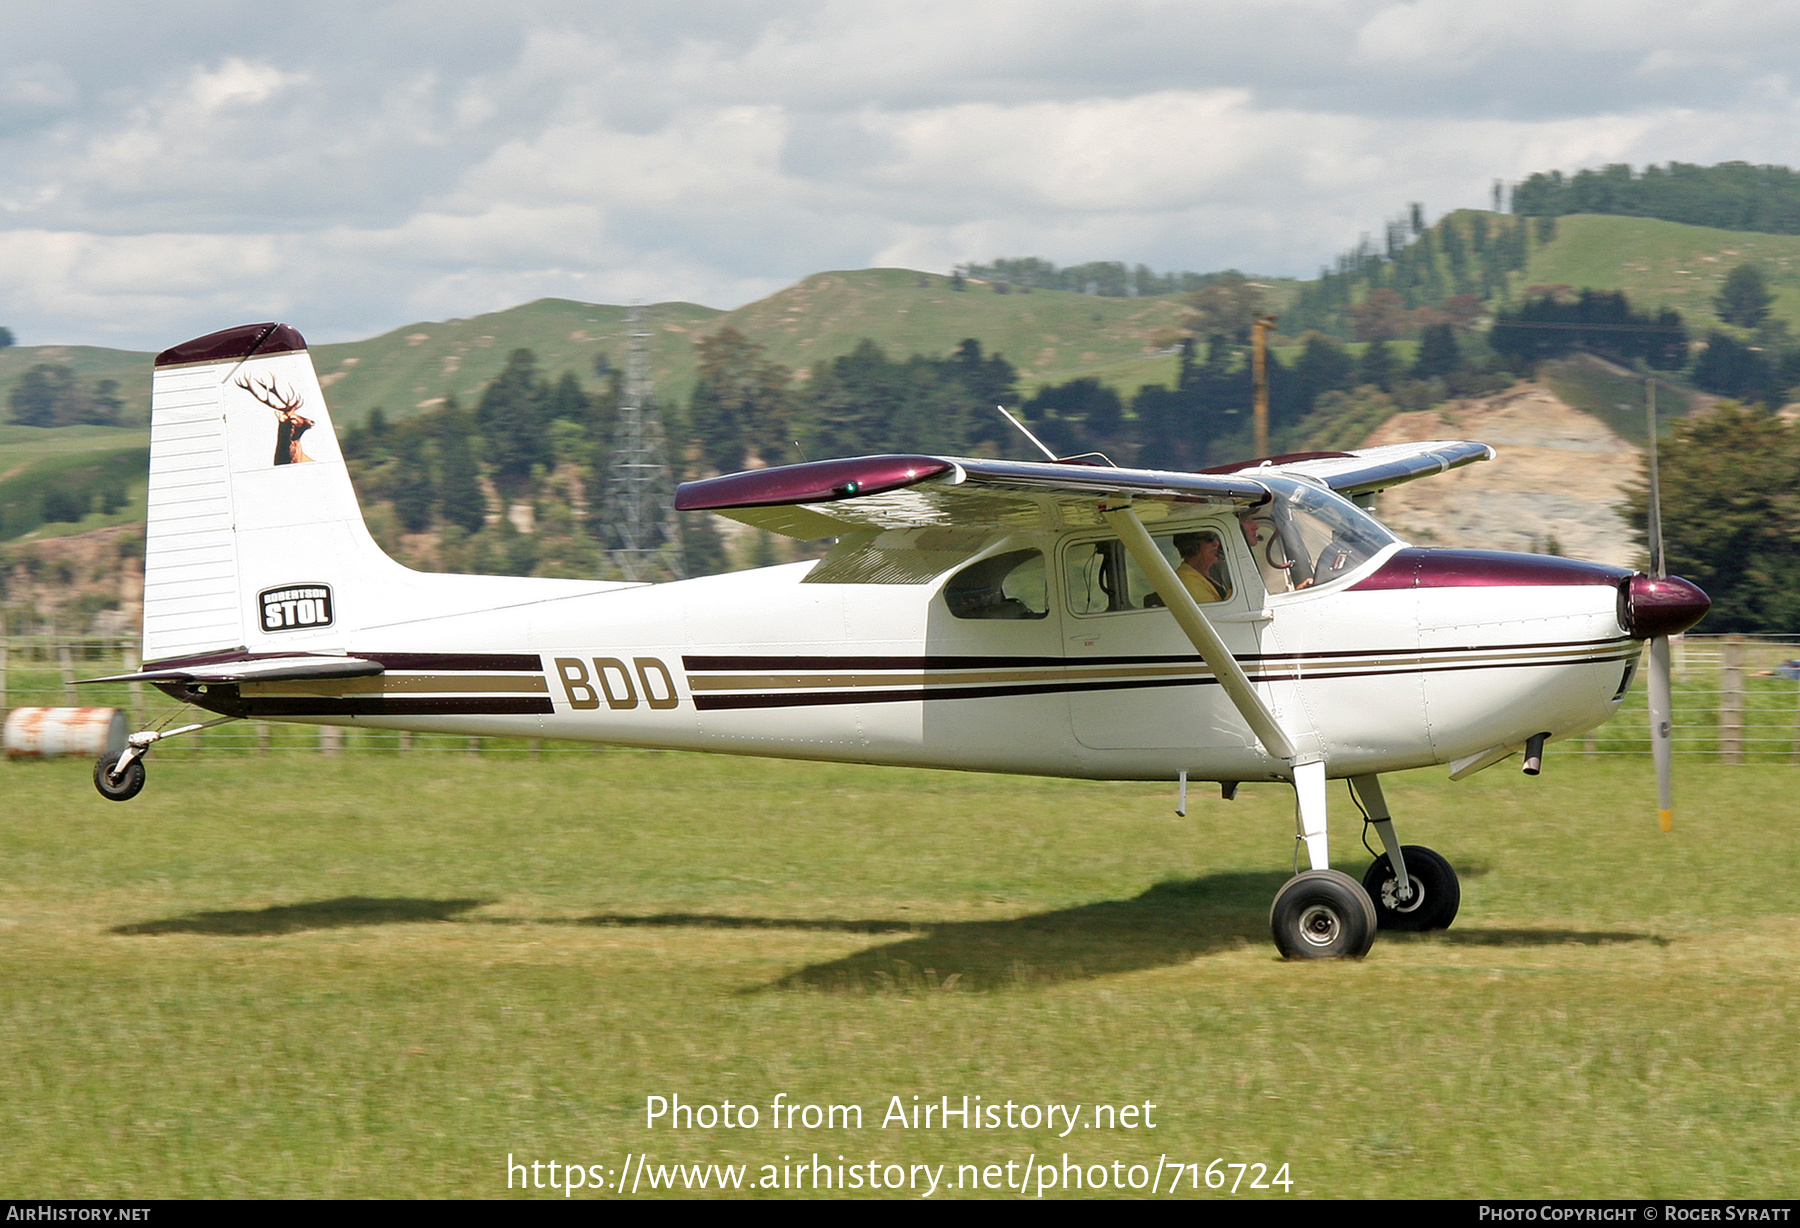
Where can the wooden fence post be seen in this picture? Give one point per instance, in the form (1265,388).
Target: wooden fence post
(1795,757)
(331,739)
(1731,700)
(128,656)
(67,662)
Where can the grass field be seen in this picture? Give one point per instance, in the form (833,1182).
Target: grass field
(380,975)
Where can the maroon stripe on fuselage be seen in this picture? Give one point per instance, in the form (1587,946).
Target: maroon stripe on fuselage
(777,664)
(456,662)
(1415,567)
(809,699)
(449,662)
(392,705)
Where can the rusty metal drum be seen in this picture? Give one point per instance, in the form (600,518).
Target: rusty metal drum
(46,733)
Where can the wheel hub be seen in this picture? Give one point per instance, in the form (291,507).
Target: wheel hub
(1390,895)
(1320,926)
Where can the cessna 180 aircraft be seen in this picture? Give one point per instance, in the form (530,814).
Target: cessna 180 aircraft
(1246,624)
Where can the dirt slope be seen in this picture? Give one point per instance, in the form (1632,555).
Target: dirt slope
(1555,487)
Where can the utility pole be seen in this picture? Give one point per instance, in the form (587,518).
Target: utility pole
(1259,329)
(640,499)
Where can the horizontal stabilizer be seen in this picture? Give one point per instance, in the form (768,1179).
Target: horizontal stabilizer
(265,669)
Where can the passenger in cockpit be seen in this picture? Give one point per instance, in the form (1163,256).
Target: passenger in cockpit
(1199,571)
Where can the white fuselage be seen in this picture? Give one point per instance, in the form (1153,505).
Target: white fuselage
(759,663)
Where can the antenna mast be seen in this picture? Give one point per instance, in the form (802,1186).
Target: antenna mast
(640,505)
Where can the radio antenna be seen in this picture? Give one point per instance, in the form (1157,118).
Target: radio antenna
(1027,433)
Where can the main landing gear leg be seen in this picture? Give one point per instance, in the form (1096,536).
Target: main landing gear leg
(119,778)
(1412,887)
(1319,913)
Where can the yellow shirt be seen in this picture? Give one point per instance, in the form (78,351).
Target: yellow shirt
(1204,590)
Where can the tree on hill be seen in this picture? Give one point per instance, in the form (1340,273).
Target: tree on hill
(6,338)
(1378,365)
(1224,309)
(1730,521)
(1438,354)
(1745,297)
(740,401)
(50,395)
(512,419)
(1729,196)
(1601,322)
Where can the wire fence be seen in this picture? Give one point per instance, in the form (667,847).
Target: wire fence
(1736,699)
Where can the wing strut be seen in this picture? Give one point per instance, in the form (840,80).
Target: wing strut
(1193,622)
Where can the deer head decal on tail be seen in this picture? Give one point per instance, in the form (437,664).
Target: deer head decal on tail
(289,424)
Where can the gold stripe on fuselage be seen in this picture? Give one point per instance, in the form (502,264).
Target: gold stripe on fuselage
(1075,671)
(403,684)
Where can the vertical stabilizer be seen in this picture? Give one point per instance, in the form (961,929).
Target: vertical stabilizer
(254,531)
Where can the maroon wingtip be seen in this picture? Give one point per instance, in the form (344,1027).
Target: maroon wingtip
(813,482)
(1667,606)
(232,344)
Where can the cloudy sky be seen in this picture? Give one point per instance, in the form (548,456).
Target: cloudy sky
(166,170)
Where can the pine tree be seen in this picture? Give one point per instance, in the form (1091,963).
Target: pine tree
(460,498)
(1745,297)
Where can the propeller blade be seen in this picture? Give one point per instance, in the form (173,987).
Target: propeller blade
(1661,709)
(1661,714)
(1658,566)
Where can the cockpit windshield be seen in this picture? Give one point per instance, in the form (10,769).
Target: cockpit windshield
(1315,535)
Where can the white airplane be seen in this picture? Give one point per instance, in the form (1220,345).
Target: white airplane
(1246,624)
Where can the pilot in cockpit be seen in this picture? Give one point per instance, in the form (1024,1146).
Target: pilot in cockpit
(1259,534)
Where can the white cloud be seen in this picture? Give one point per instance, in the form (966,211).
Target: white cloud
(379,164)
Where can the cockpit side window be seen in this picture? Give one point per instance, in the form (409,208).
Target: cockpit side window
(1003,586)
(1103,578)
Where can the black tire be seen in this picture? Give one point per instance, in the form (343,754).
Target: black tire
(123,787)
(1322,914)
(1436,895)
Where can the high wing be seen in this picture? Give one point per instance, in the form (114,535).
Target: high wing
(1369,470)
(905,519)
(898,492)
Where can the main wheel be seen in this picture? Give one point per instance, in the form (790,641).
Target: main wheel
(1436,893)
(1322,914)
(122,787)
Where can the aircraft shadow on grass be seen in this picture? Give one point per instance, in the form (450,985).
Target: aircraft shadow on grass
(348,910)
(1171,923)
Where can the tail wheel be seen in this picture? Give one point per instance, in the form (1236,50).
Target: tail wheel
(1322,914)
(1436,894)
(123,786)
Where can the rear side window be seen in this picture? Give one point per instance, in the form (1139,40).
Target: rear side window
(1010,585)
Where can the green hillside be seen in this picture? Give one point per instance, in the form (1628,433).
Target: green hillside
(70,479)
(1051,335)
(90,363)
(1660,264)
